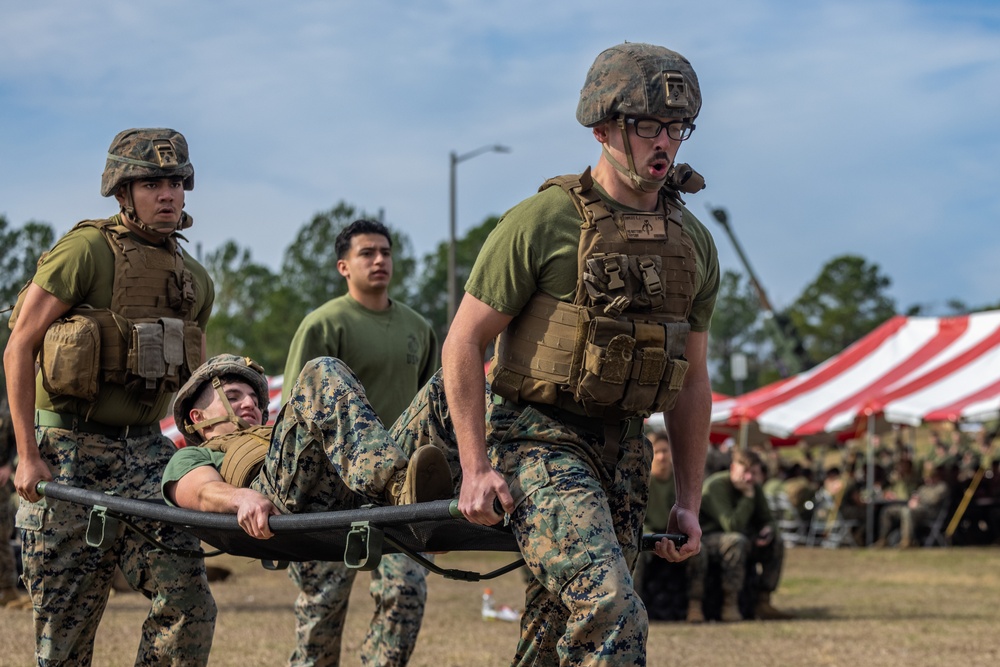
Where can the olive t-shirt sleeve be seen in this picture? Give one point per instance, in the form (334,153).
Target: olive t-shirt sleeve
(533,248)
(707,279)
(69,270)
(187,459)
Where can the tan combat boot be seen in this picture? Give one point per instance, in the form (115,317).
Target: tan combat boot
(695,614)
(10,598)
(730,609)
(426,478)
(765,612)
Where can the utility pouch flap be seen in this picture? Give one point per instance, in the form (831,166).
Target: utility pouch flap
(146,352)
(70,358)
(670,388)
(607,362)
(173,343)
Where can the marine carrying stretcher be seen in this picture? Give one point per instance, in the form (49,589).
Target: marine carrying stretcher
(358,538)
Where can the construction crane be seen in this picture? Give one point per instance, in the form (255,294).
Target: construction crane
(790,353)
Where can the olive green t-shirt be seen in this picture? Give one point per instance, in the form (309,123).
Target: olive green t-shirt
(393,352)
(726,509)
(534,247)
(80,269)
(187,459)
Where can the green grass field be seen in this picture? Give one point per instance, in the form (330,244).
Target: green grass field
(854,607)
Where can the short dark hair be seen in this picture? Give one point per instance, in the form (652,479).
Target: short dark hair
(747,458)
(343,243)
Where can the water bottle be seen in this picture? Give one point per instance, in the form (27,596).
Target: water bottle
(488,610)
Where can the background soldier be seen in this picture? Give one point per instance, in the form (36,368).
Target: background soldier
(739,532)
(393,351)
(115,315)
(562,448)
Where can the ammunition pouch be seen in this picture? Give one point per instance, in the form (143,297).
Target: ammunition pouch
(555,353)
(629,365)
(148,356)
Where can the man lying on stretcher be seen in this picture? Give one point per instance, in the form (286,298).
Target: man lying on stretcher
(326,451)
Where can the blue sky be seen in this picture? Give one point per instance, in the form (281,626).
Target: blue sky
(828,127)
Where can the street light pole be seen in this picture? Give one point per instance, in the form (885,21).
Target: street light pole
(454,160)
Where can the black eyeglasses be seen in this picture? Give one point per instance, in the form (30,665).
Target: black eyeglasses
(648,128)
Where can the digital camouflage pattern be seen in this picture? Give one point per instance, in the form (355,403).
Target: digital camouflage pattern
(578,526)
(552,471)
(146,153)
(328,418)
(70,580)
(329,451)
(399,589)
(636,79)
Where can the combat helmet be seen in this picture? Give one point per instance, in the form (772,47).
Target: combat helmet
(639,80)
(149,152)
(146,153)
(213,370)
(634,79)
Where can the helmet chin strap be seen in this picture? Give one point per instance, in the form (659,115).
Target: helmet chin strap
(128,210)
(643,184)
(230,416)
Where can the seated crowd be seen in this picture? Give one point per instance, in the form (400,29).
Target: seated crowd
(751,497)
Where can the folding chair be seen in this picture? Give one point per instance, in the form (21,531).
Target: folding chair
(935,536)
(828,528)
(792,528)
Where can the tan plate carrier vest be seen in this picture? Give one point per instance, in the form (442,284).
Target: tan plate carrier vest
(147,341)
(617,350)
(244,451)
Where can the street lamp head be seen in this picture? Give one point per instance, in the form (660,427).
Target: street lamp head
(720,215)
(498,148)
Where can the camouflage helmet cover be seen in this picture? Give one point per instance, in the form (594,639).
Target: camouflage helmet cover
(635,79)
(146,153)
(219,366)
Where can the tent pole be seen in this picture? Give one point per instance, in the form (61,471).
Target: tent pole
(744,428)
(870,483)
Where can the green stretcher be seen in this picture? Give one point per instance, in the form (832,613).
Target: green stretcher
(359,537)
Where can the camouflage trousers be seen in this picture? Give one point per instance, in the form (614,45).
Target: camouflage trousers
(578,526)
(330,452)
(8,567)
(735,552)
(69,581)
(398,588)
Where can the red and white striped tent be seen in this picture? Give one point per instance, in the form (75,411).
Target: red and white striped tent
(909,370)
(274,387)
